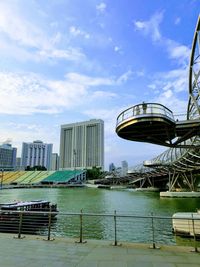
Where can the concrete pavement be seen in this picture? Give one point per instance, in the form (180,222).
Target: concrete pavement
(33,251)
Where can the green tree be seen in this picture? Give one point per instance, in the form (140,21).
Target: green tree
(36,168)
(94,173)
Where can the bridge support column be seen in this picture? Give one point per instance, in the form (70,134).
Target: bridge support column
(180,179)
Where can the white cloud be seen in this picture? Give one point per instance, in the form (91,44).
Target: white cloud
(151,27)
(176,51)
(140,73)
(176,79)
(101,7)
(116,48)
(168,86)
(172,101)
(124,77)
(75,31)
(18,29)
(28,38)
(71,54)
(56,38)
(26,93)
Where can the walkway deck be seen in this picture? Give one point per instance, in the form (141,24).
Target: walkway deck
(33,251)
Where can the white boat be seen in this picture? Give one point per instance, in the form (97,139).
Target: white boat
(34,215)
(186,224)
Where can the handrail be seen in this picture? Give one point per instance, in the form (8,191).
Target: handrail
(44,223)
(145,109)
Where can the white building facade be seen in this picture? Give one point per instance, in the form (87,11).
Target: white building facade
(36,153)
(82,145)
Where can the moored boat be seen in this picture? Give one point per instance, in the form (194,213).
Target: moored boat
(29,215)
(186,224)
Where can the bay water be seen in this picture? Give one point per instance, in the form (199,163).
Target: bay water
(103,201)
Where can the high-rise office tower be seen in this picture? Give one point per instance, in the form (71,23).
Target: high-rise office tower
(112,167)
(8,155)
(82,145)
(36,154)
(124,168)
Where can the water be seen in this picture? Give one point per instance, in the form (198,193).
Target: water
(94,200)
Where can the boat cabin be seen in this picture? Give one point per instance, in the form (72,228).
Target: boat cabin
(35,205)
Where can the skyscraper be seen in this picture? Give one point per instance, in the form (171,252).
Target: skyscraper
(82,145)
(124,168)
(112,167)
(8,156)
(36,154)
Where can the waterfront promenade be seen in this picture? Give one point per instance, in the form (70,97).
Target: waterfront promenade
(34,251)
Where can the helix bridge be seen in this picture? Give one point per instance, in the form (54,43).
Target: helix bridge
(154,123)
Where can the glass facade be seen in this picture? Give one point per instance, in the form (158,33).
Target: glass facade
(8,156)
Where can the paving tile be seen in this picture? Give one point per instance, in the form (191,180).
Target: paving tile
(176,258)
(149,258)
(157,264)
(140,264)
(88,263)
(108,263)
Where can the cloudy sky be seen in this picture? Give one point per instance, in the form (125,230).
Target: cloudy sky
(65,61)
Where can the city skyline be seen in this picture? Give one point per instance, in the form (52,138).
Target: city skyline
(70,61)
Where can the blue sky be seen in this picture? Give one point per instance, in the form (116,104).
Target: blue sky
(65,61)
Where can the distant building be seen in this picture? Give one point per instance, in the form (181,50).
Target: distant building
(118,172)
(36,154)
(54,162)
(8,155)
(82,145)
(18,164)
(124,168)
(112,167)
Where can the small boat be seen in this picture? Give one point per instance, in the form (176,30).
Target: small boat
(186,224)
(29,215)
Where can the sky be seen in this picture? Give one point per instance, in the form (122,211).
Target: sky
(64,61)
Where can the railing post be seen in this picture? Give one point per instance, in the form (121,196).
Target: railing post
(193,228)
(153,233)
(81,229)
(20,226)
(115,228)
(49,225)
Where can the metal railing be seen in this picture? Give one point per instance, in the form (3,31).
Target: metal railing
(116,227)
(145,109)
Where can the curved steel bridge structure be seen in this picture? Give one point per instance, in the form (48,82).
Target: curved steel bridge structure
(155,123)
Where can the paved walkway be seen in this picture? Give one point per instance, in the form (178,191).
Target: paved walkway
(33,251)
